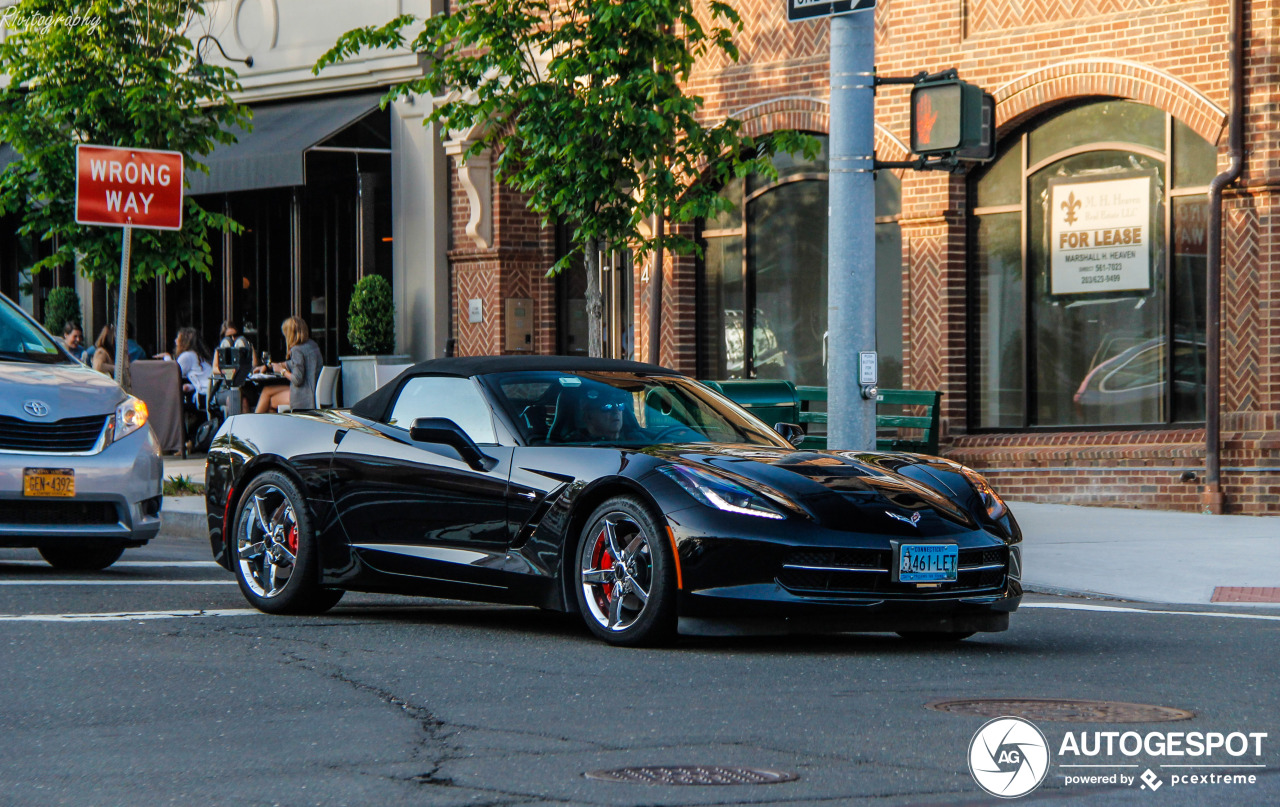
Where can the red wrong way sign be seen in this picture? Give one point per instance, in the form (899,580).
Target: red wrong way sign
(120,187)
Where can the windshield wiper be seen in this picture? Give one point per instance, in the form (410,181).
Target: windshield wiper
(33,358)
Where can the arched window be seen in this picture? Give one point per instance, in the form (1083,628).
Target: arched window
(762,285)
(1087,263)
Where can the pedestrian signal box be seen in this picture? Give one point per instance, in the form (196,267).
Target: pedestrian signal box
(952,117)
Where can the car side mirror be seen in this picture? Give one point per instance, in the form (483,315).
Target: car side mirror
(790,432)
(446,432)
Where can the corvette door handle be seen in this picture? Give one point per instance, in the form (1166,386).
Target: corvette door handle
(528,494)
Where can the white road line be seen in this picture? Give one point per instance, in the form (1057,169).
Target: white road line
(129,564)
(1071,606)
(117,582)
(125,616)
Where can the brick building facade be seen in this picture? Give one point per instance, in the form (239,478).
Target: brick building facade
(1116,60)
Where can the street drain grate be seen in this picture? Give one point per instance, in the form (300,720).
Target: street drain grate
(693,775)
(1063,711)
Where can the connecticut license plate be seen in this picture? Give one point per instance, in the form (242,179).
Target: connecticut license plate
(927,563)
(48,482)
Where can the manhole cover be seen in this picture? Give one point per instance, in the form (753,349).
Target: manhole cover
(1063,711)
(693,775)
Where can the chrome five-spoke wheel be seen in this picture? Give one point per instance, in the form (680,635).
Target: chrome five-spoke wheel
(276,558)
(267,547)
(617,572)
(625,578)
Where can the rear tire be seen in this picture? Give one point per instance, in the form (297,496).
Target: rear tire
(81,557)
(630,600)
(273,548)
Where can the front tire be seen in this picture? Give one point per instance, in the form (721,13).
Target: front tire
(275,556)
(625,575)
(81,557)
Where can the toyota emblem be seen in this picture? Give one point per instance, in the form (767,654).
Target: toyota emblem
(36,408)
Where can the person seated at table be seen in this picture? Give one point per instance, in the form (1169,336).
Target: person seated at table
(229,336)
(136,351)
(193,360)
(104,351)
(73,338)
(301,366)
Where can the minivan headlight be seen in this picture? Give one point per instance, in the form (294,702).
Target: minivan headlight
(131,415)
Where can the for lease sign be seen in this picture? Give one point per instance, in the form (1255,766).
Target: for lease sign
(120,187)
(1099,237)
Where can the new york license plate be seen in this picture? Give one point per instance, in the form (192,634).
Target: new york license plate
(48,482)
(927,563)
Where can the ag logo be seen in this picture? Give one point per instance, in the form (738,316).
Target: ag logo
(1009,757)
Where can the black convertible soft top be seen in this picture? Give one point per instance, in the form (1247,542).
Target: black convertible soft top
(378,404)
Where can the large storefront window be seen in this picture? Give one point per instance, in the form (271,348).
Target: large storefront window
(302,248)
(762,295)
(1088,262)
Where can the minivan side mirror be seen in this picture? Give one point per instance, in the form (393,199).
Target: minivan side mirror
(446,432)
(790,432)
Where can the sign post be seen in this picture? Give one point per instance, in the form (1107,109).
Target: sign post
(851,234)
(124,187)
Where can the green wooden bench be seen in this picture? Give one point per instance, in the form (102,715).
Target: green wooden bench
(930,423)
(776,401)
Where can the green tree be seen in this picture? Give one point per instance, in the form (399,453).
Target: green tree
(113,73)
(584,103)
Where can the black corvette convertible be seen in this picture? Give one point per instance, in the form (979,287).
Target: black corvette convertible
(621,491)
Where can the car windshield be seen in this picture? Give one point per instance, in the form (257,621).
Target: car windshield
(23,340)
(624,409)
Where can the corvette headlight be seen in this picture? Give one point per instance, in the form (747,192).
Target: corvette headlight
(716,491)
(990,499)
(131,415)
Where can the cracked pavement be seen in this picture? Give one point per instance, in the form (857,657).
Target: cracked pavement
(400,701)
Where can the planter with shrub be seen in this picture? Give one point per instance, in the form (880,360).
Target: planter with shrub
(371,329)
(61,306)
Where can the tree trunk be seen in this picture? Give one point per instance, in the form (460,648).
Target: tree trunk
(595,307)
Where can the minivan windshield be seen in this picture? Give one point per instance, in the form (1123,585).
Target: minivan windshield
(21,339)
(551,407)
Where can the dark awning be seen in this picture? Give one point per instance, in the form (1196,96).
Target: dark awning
(271,156)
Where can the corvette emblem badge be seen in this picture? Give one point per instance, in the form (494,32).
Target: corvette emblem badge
(914,520)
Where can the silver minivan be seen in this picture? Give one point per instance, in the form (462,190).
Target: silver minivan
(80,469)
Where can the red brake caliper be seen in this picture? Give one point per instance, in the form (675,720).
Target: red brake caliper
(605,562)
(292,539)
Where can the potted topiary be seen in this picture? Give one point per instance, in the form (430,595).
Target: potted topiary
(371,329)
(61,306)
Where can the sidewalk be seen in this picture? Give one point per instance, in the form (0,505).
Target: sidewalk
(1150,555)
(1142,555)
(183,516)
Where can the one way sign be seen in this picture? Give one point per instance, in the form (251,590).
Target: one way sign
(120,187)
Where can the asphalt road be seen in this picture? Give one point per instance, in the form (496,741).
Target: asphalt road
(399,701)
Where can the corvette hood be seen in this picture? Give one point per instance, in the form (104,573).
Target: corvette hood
(826,483)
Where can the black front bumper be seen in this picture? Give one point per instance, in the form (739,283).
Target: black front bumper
(740,568)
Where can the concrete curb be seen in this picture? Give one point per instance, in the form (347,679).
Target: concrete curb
(179,524)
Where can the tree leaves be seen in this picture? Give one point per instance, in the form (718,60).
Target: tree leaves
(129,81)
(583,104)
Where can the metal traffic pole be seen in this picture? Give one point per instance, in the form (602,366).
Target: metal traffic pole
(851,236)
(122,332)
